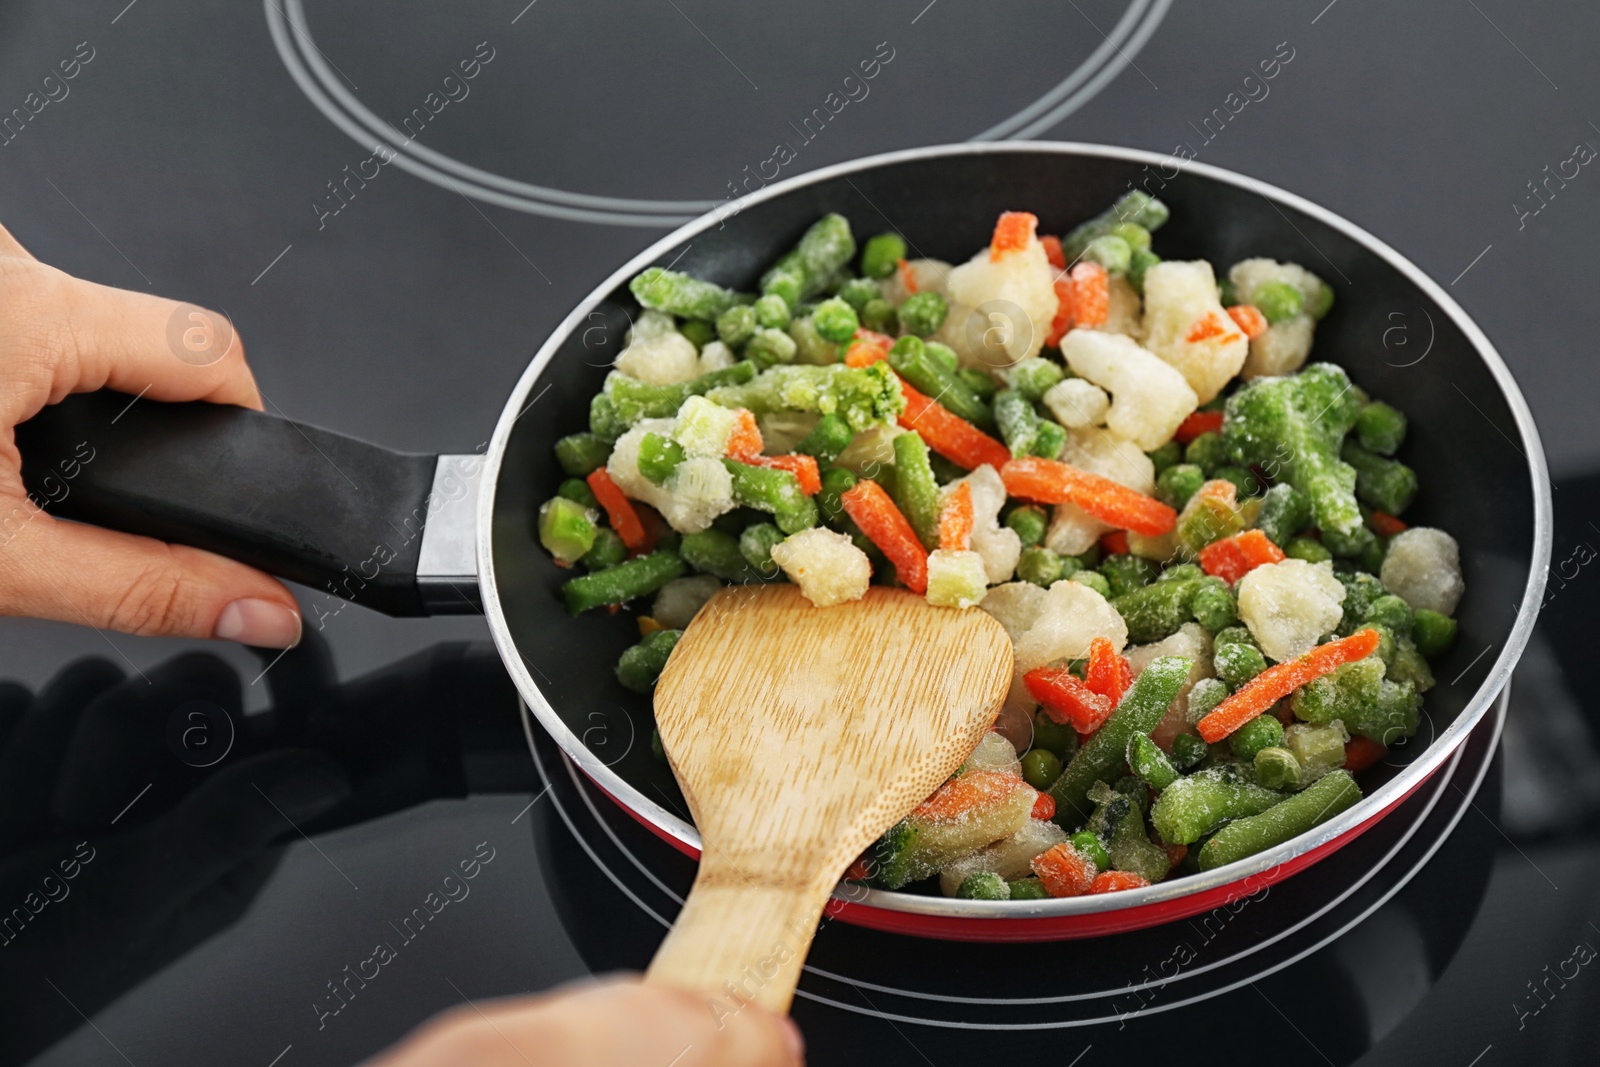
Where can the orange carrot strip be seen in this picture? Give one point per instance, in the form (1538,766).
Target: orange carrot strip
(619,509)
(908,277)
(1091,294)
(1114,881)
(1386,525)
(1066,699)
(1234,557)
(1053,252)
(955,520)
(1114,543)
(1248,318)
(957,796)
(867,348)
(1361,753)
(803,467)
(1064,870)
(860,870)
(1012,233)
(887,528)
(1044,807)
(1206,327)
(1197,423)
(1063,318)
(1108,673)
(744,443)
(1278,681)
(1049,481)
(951,436)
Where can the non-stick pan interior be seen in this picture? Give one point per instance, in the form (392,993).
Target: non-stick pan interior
(1395,341)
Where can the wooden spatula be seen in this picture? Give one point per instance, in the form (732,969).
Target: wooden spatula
(799,735)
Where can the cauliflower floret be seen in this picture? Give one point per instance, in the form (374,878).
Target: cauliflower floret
(1284,347)
(680,598)
(827,566)
(782,430)
(660,358)
(1249,273)
(1180,302)
(1110,456)
(993,753)
(1149,398)
(871,449)
(1193,643)
(698,491)
(1008,857)
(930,276)
(1071,615)
(715,356)
(999,546)
(1124,309)
(1016,606)
(955,579)
(1290,605)
(703,428)
(1073,531)
(1014,299)
(1423,568)
(1077,403)
(650,323)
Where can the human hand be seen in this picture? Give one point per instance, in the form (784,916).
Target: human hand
(61,335)
(610,1023)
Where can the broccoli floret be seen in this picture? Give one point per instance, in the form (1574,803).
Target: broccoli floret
(863,396)
(1292,428)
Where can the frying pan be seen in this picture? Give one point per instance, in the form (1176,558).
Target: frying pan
(412,534)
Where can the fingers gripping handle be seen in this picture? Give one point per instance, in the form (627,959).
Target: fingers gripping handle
(315,507)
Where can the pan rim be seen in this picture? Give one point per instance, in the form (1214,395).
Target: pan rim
(1373,804)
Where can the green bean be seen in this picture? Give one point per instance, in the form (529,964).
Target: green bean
(1263,731)
(768,348)
(1111,252)
(1139,264)
(1127,572)
(1168,455)
(635,400)
(1204,696)
(716,553)
(1289,818)
(699,332)
(923,313)
(774,491)
(1307,548)
(823,250)
(604,422)
(1243,479)
(1041,767)
(737,325)
(642,664)
(565,529)
(1380,428)
(945,356)
(614,585)
(1385,484)
(1322,302)
(1178,483)
(1018,422)
(608,550)
(1208,451)
(944,470)
(1150,763)
(882,255)
(879,315)
(1278,301)
(910,359)
(755,545)
(771,312)
(1188,751)
(1053,736)
(835,321)
(858,291)
(787,283)
(981,384)
(1137,207)
(1434,633)
(1157,610)
(915,490)
(581,454)
(829,437)
(836,481)
(1285,511)
(1093,579)
(1140,711)
(1214,606)
(1137,236)
(1197,804)
(1040,566)
(659,456)
(1030,522)
(690,298)
(576,489)
(1033,377)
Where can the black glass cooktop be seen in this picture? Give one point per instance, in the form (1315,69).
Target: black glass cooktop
(208,847)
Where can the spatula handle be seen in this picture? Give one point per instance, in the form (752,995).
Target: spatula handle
(739,939)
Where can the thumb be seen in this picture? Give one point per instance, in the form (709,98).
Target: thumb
(64,570)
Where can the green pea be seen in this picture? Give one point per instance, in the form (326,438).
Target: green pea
(1125,573)
(1214,606)
(1179,482)
(1243,479)
(1278,301)
(1179,572)
(1237,664)
(924,313)
(1052,736)
(581,454)
(1094,580)
(835,320)
(756,544)
(1207,451)
(1277,768)
(1307,548)
(1139,264)
(1112,253)
(1091,848)
(576,489)
(983,885)
(698,332)
(882,254)
(608,550)
(879,315)
(770,347)
(1380,428)
(641,664)
(1030,523)
(1433,633)
(1263,731)
(737,325)
(771,312)
(1168,455)
(858,292)
(1029,889)
(1322,303)
(1040,566)
(1137,237)
(1041,767)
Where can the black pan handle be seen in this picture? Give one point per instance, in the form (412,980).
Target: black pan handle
(328,511)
